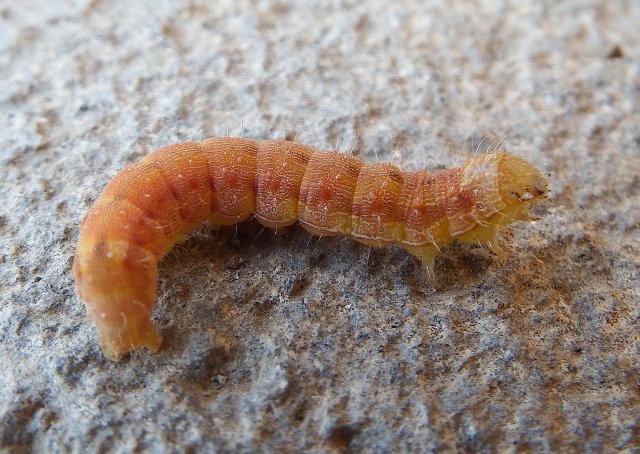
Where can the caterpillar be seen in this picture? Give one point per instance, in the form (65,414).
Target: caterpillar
(152,204)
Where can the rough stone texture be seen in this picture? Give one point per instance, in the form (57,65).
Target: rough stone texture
(286,343)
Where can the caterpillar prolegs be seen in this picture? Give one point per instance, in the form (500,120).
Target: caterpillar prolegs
(151,204)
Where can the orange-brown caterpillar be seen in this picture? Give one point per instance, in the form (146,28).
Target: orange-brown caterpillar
(150,205)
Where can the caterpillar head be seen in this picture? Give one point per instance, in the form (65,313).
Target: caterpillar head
(520,185)
(503,187)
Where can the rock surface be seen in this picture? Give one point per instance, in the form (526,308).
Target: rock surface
(288,343)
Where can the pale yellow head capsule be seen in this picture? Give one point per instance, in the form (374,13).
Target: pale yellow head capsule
(520,185)
(502,188)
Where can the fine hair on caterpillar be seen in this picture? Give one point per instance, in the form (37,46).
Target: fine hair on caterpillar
(151,205)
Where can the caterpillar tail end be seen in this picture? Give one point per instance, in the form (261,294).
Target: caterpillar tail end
(123,325)
(117,282)
(117,347)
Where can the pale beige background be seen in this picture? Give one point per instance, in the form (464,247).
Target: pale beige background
(286,343)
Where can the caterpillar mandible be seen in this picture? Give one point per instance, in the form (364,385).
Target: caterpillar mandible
(150,205)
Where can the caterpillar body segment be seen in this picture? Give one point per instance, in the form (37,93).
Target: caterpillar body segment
(150,205)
